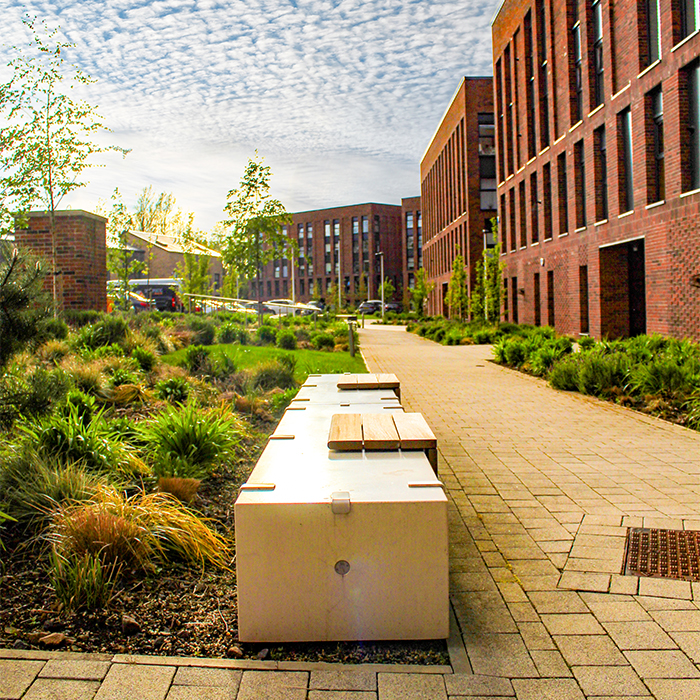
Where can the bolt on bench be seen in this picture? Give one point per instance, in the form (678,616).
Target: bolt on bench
(341,529)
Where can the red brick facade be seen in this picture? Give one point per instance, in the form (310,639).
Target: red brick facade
(456,208)
(341,242)
(81,256)
(599,187)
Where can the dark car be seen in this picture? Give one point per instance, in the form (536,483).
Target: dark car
(371,306)
(394,306)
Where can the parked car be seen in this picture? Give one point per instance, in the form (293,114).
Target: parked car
(137,301)
(371,306)
(394,306)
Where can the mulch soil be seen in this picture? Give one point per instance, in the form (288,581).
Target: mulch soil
(179,610)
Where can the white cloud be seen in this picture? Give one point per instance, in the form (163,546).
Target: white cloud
(341,96)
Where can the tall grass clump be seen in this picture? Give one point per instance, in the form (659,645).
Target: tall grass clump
(191,442)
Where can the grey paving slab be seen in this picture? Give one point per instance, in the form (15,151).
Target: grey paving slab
(609,680)
(62,689)
(273,685)
(470,685)
(590,650)
(547,689)
(362,679)
(208,677)
(341,695)
(153,682)
(16,676)
(661,663)
(75,668)
(405,686)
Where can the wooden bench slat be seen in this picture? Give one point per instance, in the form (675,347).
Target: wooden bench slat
(414,432)
(345,432)
(349,381)
(388,381)
(367,381)
(379,431)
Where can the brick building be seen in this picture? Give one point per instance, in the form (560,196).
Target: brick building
(338,244)
(163,254)
(458,187)
(81,259)
(411,240)
(598,135)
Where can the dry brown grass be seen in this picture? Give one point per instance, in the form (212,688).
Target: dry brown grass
(183,489)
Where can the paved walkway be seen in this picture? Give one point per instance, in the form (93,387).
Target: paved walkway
(542,487)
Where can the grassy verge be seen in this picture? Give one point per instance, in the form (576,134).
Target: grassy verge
(307,361)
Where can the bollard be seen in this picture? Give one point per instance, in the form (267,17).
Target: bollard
(351,338)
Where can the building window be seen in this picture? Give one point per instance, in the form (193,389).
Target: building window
(625,165)
(547,200)
(690,136)
(410,242)
(577,102)
(534,209)
(598,82)
(511,211)
(550,298)
(583,298)
(487,161)
(514,297)
(516,101)
(499,110)
(542,63)
(600,153)
(656,185)
(563,194)
(650,34)
(505,299)
(537,301)
(580,184)
(336,245)
(509,109)
(523,215)
(530,87)
(419,240)
(503,218)
(689,17)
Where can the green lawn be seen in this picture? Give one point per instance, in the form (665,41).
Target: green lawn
(308,361)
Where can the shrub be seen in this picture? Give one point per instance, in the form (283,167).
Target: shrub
(122,376)
(322,341)
(174,389)
(145,358)
(228,333)
(286,339)
(499,350)
(204,330)
(564,374)
(197,359)
(483,336)
(108,330)
(270,375)
(597,374)
(692,406)
(515,353)
(108,351)
(79,318)
(189,442)
(662,376)
(542,359)
(32,395)
(586,342)
(82,404)
(453,337)
(53,328)
(266,335)
(64,437)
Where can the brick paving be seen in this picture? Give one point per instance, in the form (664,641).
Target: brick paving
(542,486)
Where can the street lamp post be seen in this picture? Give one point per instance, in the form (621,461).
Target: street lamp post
(380,254)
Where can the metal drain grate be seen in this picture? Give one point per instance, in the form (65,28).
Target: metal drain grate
(662,553)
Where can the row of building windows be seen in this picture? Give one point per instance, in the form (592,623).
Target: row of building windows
(541,200)
(586,51)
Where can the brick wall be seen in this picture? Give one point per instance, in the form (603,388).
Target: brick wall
(80,256)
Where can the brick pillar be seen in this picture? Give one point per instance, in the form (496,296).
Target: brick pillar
(81,256)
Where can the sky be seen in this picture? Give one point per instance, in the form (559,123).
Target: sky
(340,97)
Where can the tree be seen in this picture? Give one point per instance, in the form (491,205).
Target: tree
(46,143)
(457,294)
(22,306)
(362,289)
(421,291)
(388,289)
(487,295)
(253,230)
(120,258)
(194,268)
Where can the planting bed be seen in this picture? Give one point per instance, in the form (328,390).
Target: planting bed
(180,610)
